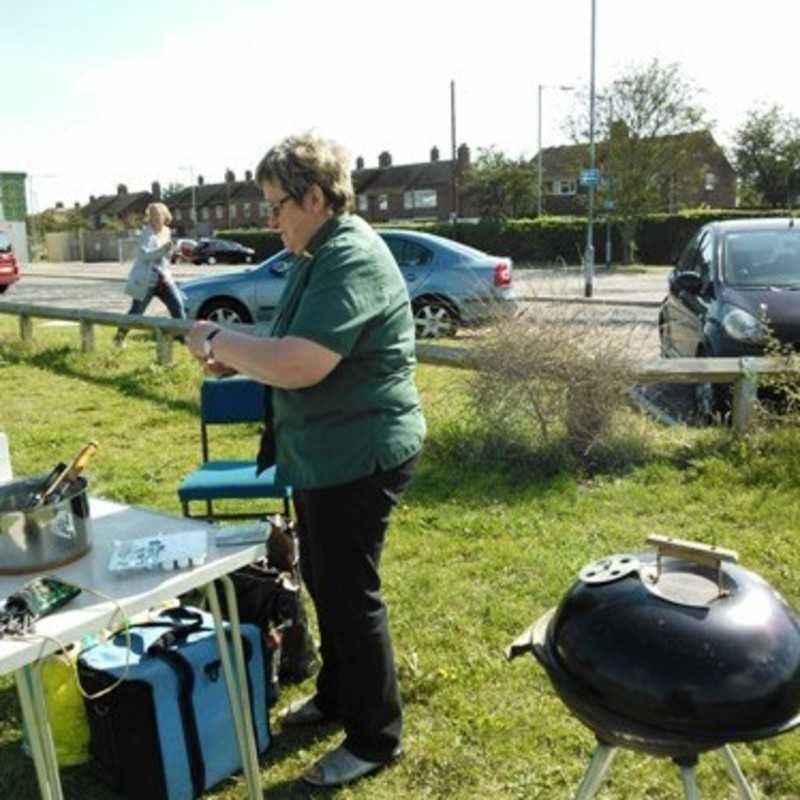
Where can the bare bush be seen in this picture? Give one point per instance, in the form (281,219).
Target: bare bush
(556,377)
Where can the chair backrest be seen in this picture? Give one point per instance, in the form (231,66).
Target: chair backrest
(229,400)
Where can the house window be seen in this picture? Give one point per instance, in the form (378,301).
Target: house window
(548,187)
(420,198)
(363,203)
(383,202)
(178,214)
(262,209)
(566,187)
(219,212)
(246,210)
(205,214)
(710,181)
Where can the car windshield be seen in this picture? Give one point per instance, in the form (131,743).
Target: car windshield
(762,258)
(5,244)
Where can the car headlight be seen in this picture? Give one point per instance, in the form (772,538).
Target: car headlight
(743,327)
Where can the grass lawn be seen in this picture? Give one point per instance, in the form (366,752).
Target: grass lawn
(476,553)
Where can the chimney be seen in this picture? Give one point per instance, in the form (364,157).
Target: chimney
(360,162)
(200,180)
(385,159)
(155,190)
(122,189)
(463,156)
(59,204)
(229,176)
(434,153)
(248,175)
(77,204)
(92,198)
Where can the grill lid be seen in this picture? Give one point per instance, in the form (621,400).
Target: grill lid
(681,640)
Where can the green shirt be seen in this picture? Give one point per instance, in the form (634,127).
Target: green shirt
(348,295)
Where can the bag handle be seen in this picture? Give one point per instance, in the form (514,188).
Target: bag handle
(176,634)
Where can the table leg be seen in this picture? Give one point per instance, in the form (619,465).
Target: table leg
(236,683)
(37,726)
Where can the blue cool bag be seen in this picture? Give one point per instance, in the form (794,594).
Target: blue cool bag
(166,732)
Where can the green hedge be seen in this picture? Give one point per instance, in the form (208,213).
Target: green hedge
(659,237)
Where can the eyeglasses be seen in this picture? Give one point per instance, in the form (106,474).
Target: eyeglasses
(274,209)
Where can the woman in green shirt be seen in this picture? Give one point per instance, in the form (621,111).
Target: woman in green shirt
(348,430)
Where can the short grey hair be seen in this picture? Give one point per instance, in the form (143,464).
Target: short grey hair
(300,161)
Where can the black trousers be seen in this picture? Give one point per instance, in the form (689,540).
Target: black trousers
(341,530)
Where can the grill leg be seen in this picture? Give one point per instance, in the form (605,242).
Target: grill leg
(689,783)
(736,774)
(596,771)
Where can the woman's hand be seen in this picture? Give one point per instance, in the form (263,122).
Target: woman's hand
(197,338)
(196,343)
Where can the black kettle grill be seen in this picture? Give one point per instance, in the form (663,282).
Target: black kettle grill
(674,653)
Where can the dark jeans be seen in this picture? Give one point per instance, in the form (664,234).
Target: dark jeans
(341,531)
(167,292)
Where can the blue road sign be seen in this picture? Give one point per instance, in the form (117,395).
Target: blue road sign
(590,177)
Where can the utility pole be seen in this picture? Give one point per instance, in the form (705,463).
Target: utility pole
(454,154)
(588,259)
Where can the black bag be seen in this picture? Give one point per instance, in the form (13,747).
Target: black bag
(167,731)
(268,595)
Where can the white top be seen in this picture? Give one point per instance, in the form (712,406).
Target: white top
(87,614)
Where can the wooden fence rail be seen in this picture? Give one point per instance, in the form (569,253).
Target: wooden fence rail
(743,373)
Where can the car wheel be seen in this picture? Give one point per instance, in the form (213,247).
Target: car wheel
(434,319)
(712,402)
(225,311)
(3,288)
(212,260)
(663,332)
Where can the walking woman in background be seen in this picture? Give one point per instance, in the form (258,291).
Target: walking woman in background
(150,275)
(348,431)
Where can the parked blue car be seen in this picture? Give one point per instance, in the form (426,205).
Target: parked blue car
(450,285)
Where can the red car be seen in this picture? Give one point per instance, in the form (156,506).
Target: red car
(9,269)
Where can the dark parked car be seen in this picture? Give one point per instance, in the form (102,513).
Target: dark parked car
(450,285)
(9,269)
(734,284)
(221,251)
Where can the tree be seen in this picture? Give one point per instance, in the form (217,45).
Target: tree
(501,186)
(171,190)
(766,152)
(653,142)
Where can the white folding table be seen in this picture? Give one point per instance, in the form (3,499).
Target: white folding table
(88,614)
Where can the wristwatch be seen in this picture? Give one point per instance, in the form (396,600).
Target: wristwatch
(208,350)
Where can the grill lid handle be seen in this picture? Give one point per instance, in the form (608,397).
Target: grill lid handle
(705,554)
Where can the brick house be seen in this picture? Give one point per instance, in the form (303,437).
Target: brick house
(411,191)
(561,168)
(230,204)
(124,206)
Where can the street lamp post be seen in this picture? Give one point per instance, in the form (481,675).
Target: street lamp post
(539,125)
(588,260)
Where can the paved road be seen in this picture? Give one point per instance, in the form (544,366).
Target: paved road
(99,286)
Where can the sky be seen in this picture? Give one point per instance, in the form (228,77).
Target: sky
(98,93)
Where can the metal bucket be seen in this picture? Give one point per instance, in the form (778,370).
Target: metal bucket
(46,537)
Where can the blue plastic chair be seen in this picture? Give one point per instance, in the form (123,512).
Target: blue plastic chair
(224,402)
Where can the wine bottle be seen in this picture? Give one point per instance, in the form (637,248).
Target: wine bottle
(70,473)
